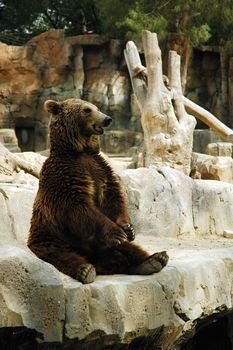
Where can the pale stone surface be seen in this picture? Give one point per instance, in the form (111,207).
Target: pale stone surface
(16,210)
(31,292)
(163,202)
(212,207)
(194,284)
(228,234)
(10,172)
(160,202)
(223,149)
(213,168)
(8,139)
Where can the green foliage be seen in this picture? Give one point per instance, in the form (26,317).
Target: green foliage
(137,20)
(200,34)
(39,15)
(208,22)
(220,19)
(110,12)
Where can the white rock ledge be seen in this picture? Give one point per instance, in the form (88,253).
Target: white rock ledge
(171,212)
(31,292)
(197,281)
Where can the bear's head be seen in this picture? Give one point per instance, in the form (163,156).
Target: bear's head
(75,125)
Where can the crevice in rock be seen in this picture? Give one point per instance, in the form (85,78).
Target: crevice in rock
(192,208)
(179,312)
(10,215)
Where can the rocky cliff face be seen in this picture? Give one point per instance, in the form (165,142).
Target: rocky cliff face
(54,66)
(91,67)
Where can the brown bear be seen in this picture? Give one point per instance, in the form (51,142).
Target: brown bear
(80,221)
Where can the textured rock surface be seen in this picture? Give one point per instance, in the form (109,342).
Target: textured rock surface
(167,203)
(163,202)
(31,292)
(212,208)
(10,171)
(90,66)
(203,137)
(52,65)
(8,139)
(212,168)
(194,285)
(154,193)
(223,149)
(165,206)
(16,210)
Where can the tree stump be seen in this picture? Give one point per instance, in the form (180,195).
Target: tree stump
(168,128)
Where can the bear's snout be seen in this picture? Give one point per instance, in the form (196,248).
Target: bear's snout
(107,121)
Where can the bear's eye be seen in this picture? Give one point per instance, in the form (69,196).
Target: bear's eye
(87,110)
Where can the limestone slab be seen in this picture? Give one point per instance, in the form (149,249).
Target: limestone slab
(160,201)
(31,292)
(166,203)
(16,203)
(212,207)
(196,283)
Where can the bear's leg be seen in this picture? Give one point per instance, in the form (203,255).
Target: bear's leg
(68,262)
(154,263)
(114,203)
(128,258)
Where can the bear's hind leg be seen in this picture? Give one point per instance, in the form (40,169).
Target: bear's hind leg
(128,258)
(154,263)
(67,261)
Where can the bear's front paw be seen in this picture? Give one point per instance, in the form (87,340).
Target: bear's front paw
(115,236)
(86,273)
(129,230)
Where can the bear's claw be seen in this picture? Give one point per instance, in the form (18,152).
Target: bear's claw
(115,237)
(129,230)
(86,273)
(152,264)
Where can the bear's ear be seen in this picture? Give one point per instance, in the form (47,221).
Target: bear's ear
(52,107)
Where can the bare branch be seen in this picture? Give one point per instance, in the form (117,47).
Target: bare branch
(135,66)
(209,119)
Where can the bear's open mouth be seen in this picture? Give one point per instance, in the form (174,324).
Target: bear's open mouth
(99,129)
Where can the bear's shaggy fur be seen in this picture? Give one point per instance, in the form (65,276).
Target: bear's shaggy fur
(80,222)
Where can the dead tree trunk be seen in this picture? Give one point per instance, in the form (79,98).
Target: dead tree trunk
(168,129)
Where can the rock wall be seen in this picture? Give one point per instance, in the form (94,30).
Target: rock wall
(54,66)
(209,82)
(91,67)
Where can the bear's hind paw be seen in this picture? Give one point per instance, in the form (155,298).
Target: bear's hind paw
(86,273)
(154,263)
